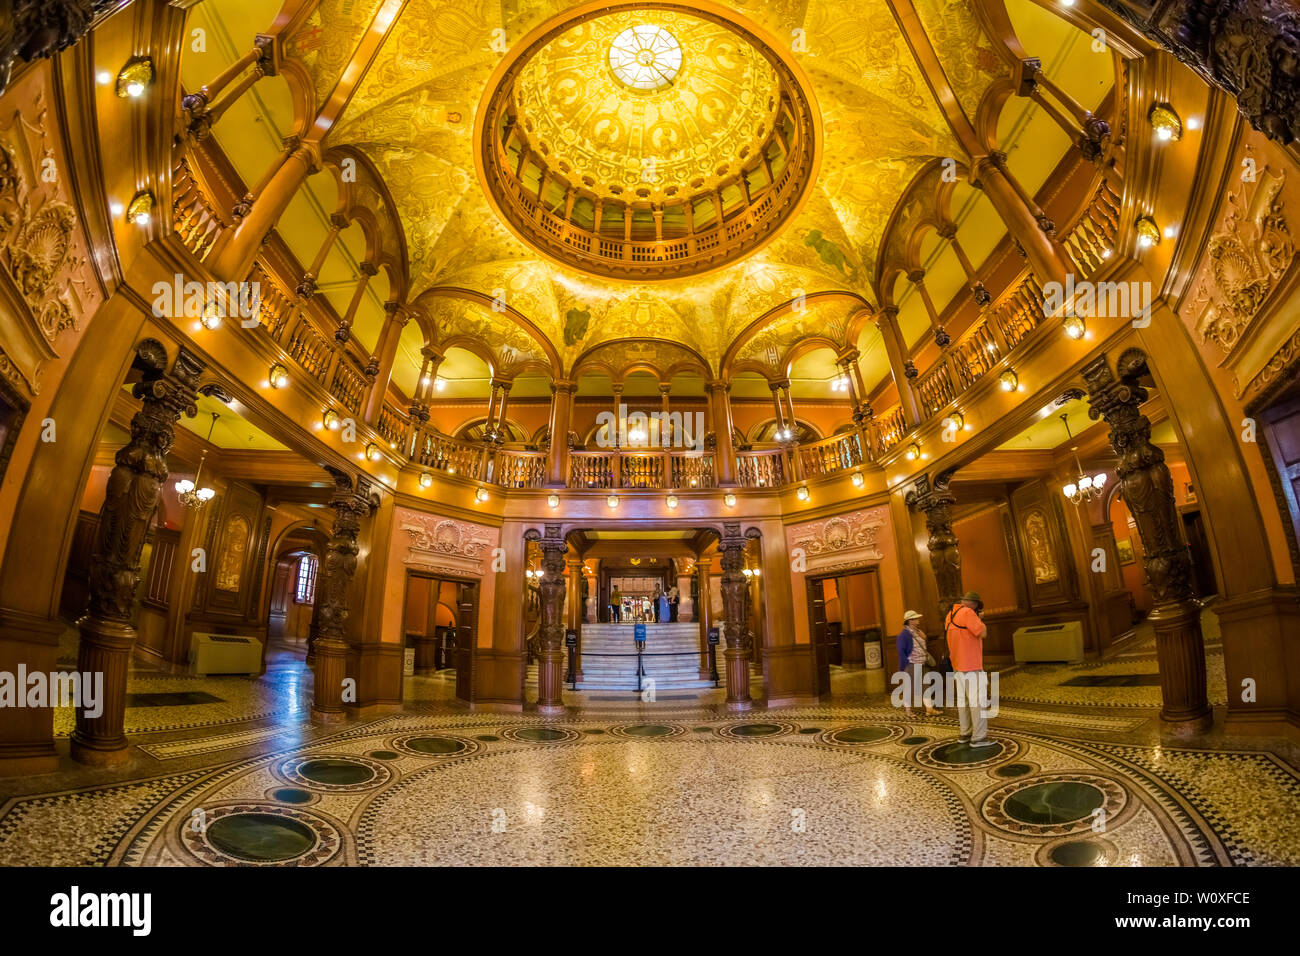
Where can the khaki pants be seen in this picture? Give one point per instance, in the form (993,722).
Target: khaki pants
(970,706)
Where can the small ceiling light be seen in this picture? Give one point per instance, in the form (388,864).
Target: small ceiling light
(1148,233)
(553,500)
(1009,381)
(671,502)
(278,376)
(426,480)
(729,499)
(1166,123)
(1074,326)
(612,501)
(372,452)
(913,451)
(802,493)
(211,317)
(140,210)
(857,479)
(330,420)
(135,78)
(481,494)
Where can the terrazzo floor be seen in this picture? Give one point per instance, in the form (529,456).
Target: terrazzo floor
(247,780)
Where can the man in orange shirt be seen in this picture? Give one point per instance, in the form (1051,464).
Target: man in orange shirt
(965,633)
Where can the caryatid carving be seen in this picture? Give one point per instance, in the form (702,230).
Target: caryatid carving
(735,587)
(130,504)
(353,500)
(134,486)
(935,502)
(550,651)
(1148,492)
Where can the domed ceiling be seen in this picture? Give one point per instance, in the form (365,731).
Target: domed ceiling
(692,92)
(647,97)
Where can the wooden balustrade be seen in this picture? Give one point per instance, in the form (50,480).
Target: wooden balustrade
(194,219)
(440,453)
(825,457)
(276,305)
(690,471)
(975,354)
(1092,240)
(520,469)
(761,469)
(934,389)
(394,427)
(592,469)
(309,348)
(890,429)
(349,384)
(641,470)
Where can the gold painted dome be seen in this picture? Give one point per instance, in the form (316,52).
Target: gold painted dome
(649,102)
(646,142)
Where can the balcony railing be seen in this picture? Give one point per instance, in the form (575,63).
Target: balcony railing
(761,469)
(519,469)
(825,457)
(618,468)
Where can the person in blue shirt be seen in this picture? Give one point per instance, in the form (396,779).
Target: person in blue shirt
(661,606)
(912,658)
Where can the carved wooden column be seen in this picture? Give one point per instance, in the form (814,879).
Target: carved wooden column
(896,351)
(735,602)
(1025,221)
(130,504)
(353,500)
(935,502)
(550,665)
(1148,492)
(385,355)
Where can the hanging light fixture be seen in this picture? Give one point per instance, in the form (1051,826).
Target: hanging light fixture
(191,493)
(1085,487)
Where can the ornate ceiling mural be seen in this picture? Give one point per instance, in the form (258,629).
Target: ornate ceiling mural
(706,101)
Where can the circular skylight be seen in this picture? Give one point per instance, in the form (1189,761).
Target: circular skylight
(645,57)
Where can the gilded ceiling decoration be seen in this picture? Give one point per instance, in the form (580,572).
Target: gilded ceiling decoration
(414,115)
(968,58)
(717,108)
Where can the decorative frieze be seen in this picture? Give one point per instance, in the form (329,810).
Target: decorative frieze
(444,545)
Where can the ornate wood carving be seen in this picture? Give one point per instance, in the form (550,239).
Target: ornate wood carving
(735,604)
(935,501)
(1148,492)
(443,545)
(32,29)
(550,650)
(1249,48)
(130,502)
(844,541)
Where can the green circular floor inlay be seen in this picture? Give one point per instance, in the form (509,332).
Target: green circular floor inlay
(913,741)
(1013,770)
(260,837)
(862,735)
(957,752)
(540,733)
(1056,802)
(648,730)
(384,754)
(756,730)
(291,795)
(487,738)
(1078,853)
(336,772)
(436,745)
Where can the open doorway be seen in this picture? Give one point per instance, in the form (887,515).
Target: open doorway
(846,623)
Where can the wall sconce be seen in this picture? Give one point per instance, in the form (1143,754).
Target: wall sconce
(211,318)
(330,419)
(426,480)
(1075,327)
(278,376)
(372,452)
(135,78)
(857,479)
(140,209)
(671,501)
(729,500)
(694,482)
(1163,119)
(481,494)
(553,500)
(1148,233)
(913,451)
(1009,381)
(956,421)
(612,501)
(802,493)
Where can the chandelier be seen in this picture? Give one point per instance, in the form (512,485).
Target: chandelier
(191,493)
(1085,487)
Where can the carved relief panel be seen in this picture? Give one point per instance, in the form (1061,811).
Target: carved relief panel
(232,550)
(1043,545)
(47,285)
(444,545)
(844,541)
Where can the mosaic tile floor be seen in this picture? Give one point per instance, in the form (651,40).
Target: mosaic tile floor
(246,780)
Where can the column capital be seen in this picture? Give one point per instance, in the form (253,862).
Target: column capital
(888,314)
(368,268)
(338,220)
(848,356)
(664,388)
(916,276)
(947,231)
